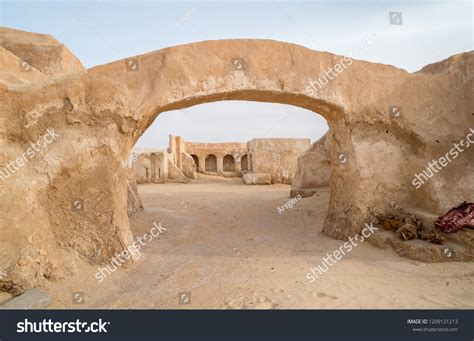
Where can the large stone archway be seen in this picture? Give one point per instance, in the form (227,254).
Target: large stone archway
(70,200)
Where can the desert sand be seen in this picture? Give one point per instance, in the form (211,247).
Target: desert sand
(226,246)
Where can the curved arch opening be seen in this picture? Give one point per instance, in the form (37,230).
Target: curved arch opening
(211,163)
(228,163)
(244,163)
(260,143)
(217,195)
(196,160)
(330,113)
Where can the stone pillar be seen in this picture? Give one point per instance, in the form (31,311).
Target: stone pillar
(179,160)
(153,168)
(202,163)
(172,145)
(164,164)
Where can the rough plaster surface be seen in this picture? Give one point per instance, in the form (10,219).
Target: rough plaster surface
(276,157)
(134,203)
(313,168)
(100,113)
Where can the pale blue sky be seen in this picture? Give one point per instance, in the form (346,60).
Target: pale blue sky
(102,31)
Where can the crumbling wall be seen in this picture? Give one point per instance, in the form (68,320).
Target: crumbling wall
(134,203)
(142,168)
(151,166)
(174,173)
(188,167)
(313,168)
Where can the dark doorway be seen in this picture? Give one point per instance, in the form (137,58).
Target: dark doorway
(229,163)
(211,163)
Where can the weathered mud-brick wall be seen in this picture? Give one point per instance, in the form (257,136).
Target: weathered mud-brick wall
(151,167)
(313,169)
(276,157)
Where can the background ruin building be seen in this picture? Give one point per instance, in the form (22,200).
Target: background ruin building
(273,160)
(313,168)
(225,159)
(259,161)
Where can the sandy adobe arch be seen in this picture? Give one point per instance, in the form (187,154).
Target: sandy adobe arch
(101,112)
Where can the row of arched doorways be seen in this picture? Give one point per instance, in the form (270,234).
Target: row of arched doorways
(228,163)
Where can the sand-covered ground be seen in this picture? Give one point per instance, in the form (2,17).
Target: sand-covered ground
(227,246)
